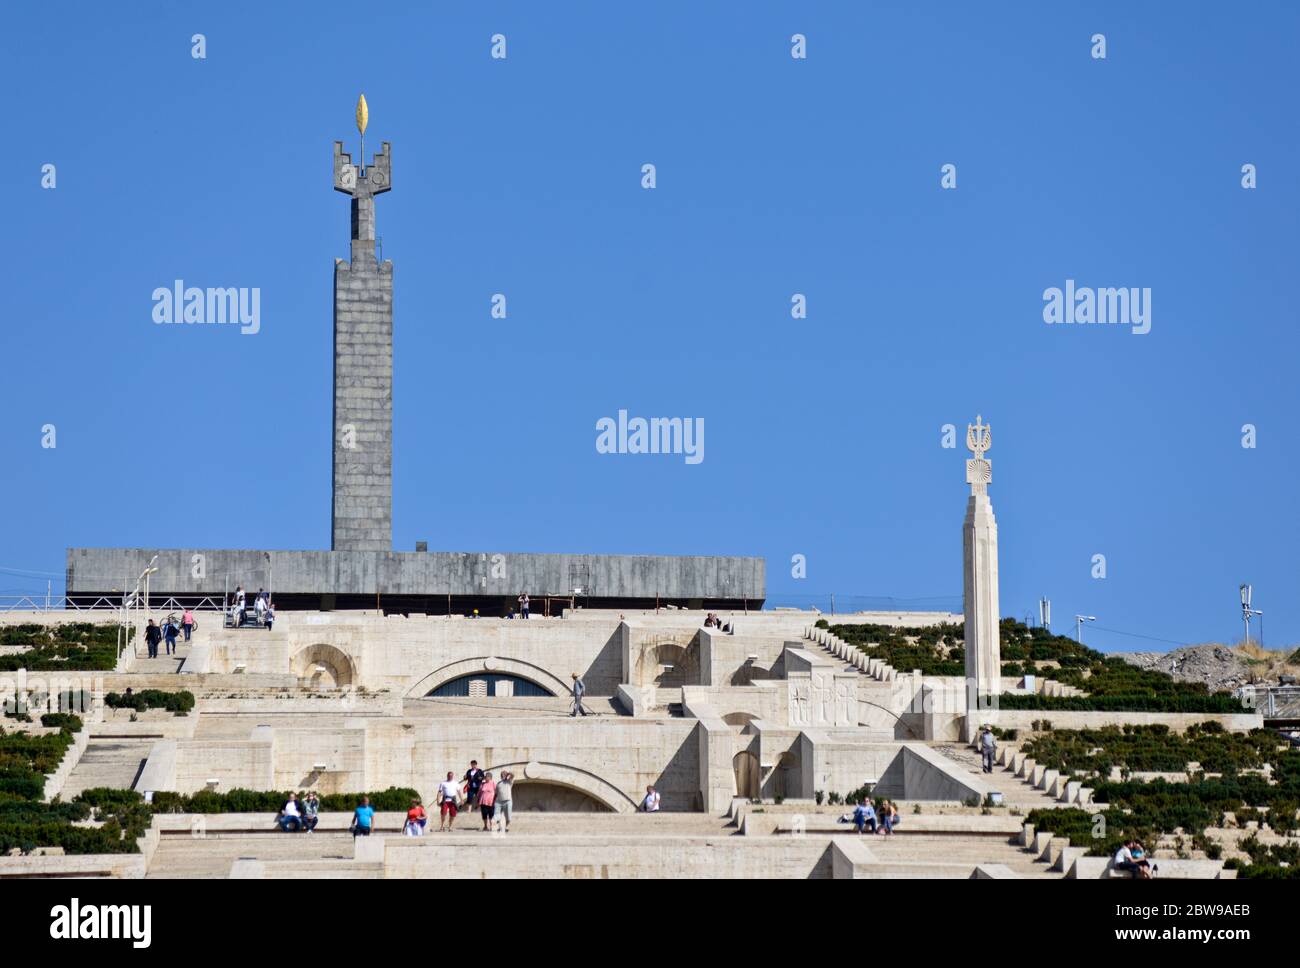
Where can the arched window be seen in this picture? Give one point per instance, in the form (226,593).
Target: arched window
(489,684)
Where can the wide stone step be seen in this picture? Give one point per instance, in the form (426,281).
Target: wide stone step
(107,763)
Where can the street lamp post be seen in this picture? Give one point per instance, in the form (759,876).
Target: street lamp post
(1078,625)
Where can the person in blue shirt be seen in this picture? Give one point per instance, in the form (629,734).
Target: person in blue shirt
(864,815)
(363,818)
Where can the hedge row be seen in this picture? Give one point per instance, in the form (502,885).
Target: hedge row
(1155,748)
(176,702)
(1155,702)
(1147,810)
(240,800)
(71,647)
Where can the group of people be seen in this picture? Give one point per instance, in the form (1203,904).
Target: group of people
(263,610)
(170,630)
(879,818)
(479,790)
(492,797)
(301,814)
(712,621)
(1133,859)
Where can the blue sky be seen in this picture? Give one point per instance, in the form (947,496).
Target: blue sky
(775,176)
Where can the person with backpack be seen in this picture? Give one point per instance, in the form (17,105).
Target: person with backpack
(170,631)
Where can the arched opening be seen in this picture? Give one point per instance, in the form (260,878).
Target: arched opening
(323,666)
(495,685)
(550,780)
(541,796)
(494,669)
(738,721)
(745,766)
(668,665)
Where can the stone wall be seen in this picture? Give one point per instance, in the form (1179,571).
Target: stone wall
(384,572)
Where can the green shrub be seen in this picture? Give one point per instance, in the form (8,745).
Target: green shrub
(176,702)
(240,800)
(72,646)
(65,721)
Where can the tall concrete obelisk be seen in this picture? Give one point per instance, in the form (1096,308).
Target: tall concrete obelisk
(363,363)
(980,572)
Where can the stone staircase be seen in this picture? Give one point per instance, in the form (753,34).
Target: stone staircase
(182,854)
(1057,787)
(850,655)
(902,848)
(1015,795)
(107,763)
(209,851)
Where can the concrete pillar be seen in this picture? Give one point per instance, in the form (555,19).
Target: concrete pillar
(980,574)
(363,369)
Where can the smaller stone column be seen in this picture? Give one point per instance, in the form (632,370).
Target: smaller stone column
(980,575)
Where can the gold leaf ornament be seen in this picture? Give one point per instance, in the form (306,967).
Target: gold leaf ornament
(363,114)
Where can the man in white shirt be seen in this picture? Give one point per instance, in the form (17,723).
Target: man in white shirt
(651,802)
(448,794)
(290,819)
(1124,861)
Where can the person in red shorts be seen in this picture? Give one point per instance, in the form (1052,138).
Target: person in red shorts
(448,794)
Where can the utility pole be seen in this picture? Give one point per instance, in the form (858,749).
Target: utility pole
(1247,612)
(1078,626)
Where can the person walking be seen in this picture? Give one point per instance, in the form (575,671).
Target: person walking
(473,783)
(650,803)
(269,616)
(487,798)
(579,690)
(237,610)
(170,631)
(988,748)
(152,636)
(502,812)
(363,819)
(448,793)
(188,623)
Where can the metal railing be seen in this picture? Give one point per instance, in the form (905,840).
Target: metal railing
(28,603)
